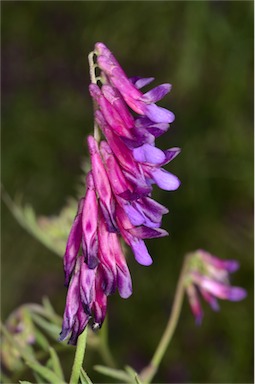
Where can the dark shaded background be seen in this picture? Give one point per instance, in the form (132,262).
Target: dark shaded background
(205,49)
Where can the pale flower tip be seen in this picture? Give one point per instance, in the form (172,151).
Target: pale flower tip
(199,319)
(141,253)
(232,265)
(165,180)
(63,334)
(237,294)
(100,47)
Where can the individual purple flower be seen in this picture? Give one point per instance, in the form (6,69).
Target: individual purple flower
(144,104)
(208,275)
(118,202)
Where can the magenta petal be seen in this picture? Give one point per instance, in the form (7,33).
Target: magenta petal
(102,184)
(156,93)
(73,243)
(124,283)
(87,286)
(218,289)
(228,265)
(109,283)
(89,224)
(100,303)
(80,324)
(158,114)
(210,299)
(72,305)
(165,180)
(113,96)
(106,256)
(195,303)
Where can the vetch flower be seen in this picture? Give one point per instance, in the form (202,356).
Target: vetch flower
(125,163)
(208,275)
(144,104)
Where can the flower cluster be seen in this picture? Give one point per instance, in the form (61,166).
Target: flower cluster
(117,204)
(210,276)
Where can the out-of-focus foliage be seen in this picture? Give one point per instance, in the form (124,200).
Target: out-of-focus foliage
(24,342)
(51,231)
(205,49)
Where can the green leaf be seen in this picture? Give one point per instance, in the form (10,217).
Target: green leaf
(56,363)
(24,382)
(51,231)
(41,340)
(47,305)
(84,377)
(52,329)
(115,373)
(137,379)
(38,378)
(133,374)
(46,373)
(24,352)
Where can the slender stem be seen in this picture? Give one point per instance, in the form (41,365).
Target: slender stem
(149,372)
(94,78)
(79,356)
(92,67)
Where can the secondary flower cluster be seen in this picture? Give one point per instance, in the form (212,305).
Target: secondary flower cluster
(117,204)
(209,275)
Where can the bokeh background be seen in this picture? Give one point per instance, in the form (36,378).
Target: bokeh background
(205,49)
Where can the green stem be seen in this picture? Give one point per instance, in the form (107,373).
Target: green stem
(79,356)
(149,372)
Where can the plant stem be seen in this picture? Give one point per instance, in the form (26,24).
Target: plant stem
(94,78)
(79,356)
(149,372)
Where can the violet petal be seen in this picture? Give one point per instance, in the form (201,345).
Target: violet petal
(158,114)
(156,93)
(149,154)
(165,180)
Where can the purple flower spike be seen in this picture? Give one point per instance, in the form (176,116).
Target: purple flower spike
(118,202)
(209,275)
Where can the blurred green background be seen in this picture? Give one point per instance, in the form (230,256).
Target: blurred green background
(205,49)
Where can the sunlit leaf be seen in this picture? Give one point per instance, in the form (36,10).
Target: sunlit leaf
(51,329)
(115,373)
(46,373)
(51,231)
(56,363)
